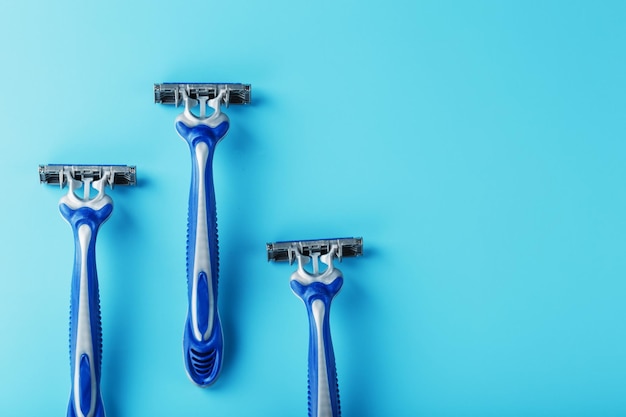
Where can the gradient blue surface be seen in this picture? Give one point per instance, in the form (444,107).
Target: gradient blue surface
(478,148)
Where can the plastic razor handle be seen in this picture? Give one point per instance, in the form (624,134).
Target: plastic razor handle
(203,340)
(85,218)
(317,293)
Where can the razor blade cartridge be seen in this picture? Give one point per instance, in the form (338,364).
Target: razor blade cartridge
(174,93)
(117,174)
(286,251)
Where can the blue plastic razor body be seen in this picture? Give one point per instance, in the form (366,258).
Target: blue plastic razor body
(317,290)
(85,218)
(203,340)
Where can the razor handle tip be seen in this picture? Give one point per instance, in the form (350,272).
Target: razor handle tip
(322,373)
(203,358)
(85,324)
(203,339)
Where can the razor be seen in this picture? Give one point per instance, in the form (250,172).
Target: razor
(203,338)
(317,289)
(85,214)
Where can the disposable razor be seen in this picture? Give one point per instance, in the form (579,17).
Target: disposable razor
(203,339)
(85,215)
(317,289)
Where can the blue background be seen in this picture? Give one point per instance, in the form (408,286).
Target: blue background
(478,148)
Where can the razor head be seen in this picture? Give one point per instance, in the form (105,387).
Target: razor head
(287,251)
(118,174)
(173,93)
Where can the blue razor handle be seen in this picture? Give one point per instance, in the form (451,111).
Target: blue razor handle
(317,290)
(85,217)
(203,339)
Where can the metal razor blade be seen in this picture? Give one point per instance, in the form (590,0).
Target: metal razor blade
(286,251)
(117,174)
(174,93)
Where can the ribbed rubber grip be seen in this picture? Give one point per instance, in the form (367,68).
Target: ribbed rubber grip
(203,340)
(323,385)
(85,324)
